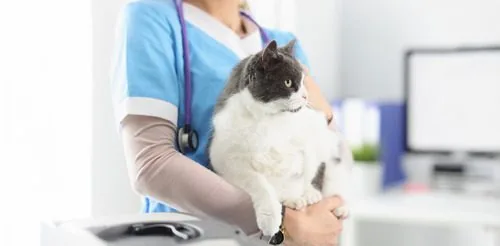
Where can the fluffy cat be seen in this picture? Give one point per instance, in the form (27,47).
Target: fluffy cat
(267,141)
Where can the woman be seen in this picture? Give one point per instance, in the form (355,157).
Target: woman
(148,84)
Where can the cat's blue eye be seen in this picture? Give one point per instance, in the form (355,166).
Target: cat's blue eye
(288,83)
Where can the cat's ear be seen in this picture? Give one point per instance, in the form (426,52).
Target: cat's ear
(270,53)
(290,47)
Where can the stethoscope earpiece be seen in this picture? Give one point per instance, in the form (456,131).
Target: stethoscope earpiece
(187,139)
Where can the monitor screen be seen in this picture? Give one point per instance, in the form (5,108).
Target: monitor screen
(453,100)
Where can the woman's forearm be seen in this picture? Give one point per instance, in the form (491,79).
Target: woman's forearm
(158,170)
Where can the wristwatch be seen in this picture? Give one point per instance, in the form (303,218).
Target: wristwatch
(279,237)
(329,119)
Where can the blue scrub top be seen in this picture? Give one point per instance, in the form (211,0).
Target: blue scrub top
(148,76)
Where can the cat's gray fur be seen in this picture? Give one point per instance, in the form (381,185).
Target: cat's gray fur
(251,151)
(263,74)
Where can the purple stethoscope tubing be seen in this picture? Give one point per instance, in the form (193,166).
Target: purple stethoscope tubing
(187,132)
(187,63)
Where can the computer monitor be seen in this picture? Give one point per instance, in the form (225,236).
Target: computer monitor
(453,100)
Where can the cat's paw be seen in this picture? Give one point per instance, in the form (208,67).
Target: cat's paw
(295,203)
(312,196)
(342,212)
(269,217)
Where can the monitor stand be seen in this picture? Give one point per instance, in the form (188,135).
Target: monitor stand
(455,171)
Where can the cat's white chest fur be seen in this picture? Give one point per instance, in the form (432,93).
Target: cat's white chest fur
(273,156)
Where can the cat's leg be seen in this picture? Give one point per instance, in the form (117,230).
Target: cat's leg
(265,200)
(313,169)
(311,194)
(337,183)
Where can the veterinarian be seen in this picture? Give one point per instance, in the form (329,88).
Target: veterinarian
(164,116)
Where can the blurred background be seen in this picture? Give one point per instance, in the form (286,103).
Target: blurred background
(415,86)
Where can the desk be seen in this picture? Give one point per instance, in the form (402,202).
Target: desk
(434,209)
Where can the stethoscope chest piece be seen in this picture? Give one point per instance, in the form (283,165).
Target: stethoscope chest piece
(187,139)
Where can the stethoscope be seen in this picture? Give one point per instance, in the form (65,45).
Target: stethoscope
(187,137)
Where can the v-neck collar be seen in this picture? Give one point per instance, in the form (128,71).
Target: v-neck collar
(242,47)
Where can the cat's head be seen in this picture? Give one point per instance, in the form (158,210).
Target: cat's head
(277,78)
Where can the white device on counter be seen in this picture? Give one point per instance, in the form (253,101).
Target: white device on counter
(464,175)
(145,229)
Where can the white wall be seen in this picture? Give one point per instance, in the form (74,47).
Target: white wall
(111,191)
(45,76)
(318,26)
(374,34)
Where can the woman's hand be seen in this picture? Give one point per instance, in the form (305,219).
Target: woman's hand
(315,225)
(315,97)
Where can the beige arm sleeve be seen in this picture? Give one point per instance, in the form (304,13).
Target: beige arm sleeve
(158,170)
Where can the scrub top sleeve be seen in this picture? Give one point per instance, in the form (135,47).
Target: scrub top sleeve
(301,55)
(144,80)
(285,37)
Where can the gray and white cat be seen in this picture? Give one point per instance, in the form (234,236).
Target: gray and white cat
(267,141)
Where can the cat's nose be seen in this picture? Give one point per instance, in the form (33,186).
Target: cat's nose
(304,95)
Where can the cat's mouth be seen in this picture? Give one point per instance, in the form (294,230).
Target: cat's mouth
(292,110)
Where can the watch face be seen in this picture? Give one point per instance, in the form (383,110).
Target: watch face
(277,238)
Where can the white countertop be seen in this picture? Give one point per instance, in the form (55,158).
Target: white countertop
(429,208)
